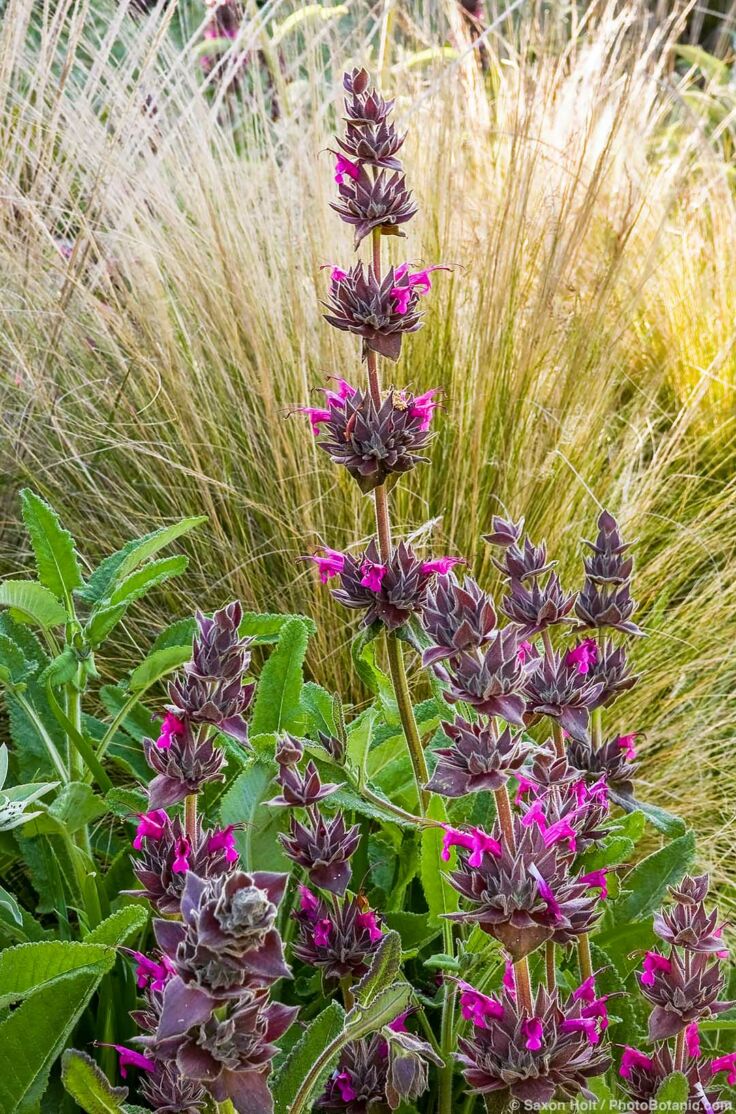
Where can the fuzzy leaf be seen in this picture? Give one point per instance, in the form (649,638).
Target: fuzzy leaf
(179,633)
(383,1009)
(157,665)
(88,1085)
(115,568)
(102,622)
(116,929)
(277,704)
(266,630)
(649,879)
(25,968)
(319,706)
(439,894)
(147,577)
(672,1093)
(53,546)
(61,669)
(30,602)
(413,928)
(75,806)
(383,971)
(34,1034)
(14,665)
(319,1034)
(243,803)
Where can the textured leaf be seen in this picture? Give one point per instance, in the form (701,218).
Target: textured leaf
(75,806)
(179,633)
(117,929)
(14,665)
(30,602)
(649,879)
(53,546)
(33,1035)
(277,704)
(61,669)
(121,564)
(383,971)
(147,577)
(319,706)
(414,929)
(383,1009)
(102,622)
(158,665)
(266,629)
(439,895)
(672,1093)
(244,804)
(25,968)
(351,799)
(326,1028)
(17,925)
(359,740)
(88,1085)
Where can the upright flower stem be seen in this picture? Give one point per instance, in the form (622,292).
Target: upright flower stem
(559,739)
(190,818)
(585,958)
(680,1050)
(549,963)
(522,977)
(393,645)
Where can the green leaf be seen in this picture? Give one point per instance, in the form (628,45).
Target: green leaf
(121,564)
(319,706)
(649,879)
(30,602)
(413,928)
(102,622)
(277,704)
(147,577)
(53,546)
(14,665)
(116,929)
(317,1037)
(351,799)
(88,1085)
(359,740)
(244,804)
(158,665)
(439,895)
(383,1009)
(605,1104)
(33,1035)
(179,633)
(75,806)
(383,971)
(25,968)
(266,629)
(61,669)
(673,1093)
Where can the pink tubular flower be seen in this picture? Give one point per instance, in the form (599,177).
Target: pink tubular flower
(183,850)
(372,576)
(626,743)
(598,1009)
(535,815)
(418,281)
(441,565)
(401,295)
(151,825)
(586,991)
(337,274)
(423,407)
(559,831)
(343,392)
(330,565)
(316,415)
(692,1040)
(632,1058)
(545,892)
(523,652)
(587,1025)
(148,970)
(308,902)
(344,166)
(476,841)
(583,655)
(524,786)
(222,839)
(653,961)
(508,980)
(344,1084)
(477,1007)
(533,1031)
(171,725)
(597,879)
(725,1063)
(322,933)
(368,921)
(718,933)
(129,1058)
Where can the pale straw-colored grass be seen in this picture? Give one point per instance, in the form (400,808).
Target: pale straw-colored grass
(584,340)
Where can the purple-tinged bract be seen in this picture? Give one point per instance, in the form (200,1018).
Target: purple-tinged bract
(479,760)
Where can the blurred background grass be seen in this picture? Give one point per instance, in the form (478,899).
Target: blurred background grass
(165,212)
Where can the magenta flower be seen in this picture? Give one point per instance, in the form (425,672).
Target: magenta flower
(692,1040)
(586,991)
(508,981)
(583,655)
(533,1030)
(368,921)
(597,879)
(524,651)
(725,1063)
(653,962)
(316,416)
(632,1058)
(344,166)
(171,725)
(373,575)
(409,283)
(475,841)
(322,933)
(441,565)
(151,825)
(183,850)
(587,1025)
(344,1084)
(401,296)
(546,893)
(337,274)
(524,786)
(129,1058)
(330,565)
(222,839)
(626,743)
(308,902)
(153,972)
(344,389)
(398,1025)
(423,407)
(476,1007)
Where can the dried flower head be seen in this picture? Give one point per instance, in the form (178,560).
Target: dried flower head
(182,768)
(301,790)
(338,940)
(535,607)
(681,991)
(361,303)
(388,593)
(558,689)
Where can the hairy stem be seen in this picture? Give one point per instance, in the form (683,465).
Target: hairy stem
(347,994)
(190,818)
(597,727)
(584,957)
(549,964)
(559,738)
(523,982)
(505,816)
(408,720)
(680,1050)
(447,1043)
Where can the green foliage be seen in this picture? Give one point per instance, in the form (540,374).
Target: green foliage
(30,602)
(648,881)
(88,1086)
(320,1035)
(57,562)
(277,705)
